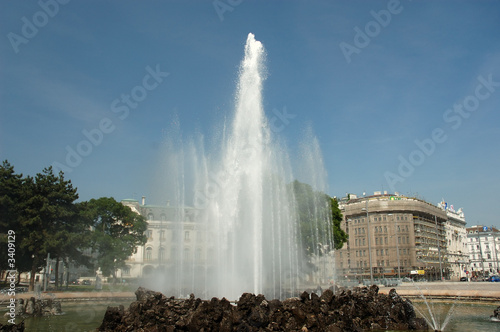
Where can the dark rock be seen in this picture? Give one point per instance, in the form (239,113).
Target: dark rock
(12,327)
(360,310)
(36,307)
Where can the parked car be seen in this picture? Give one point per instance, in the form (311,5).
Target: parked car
(494,279)
(463,279)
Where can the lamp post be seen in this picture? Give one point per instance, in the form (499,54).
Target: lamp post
(397,245)
(439,249)
(369,240)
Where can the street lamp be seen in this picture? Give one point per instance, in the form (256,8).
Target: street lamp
(439,249)
(369,240)
(397,246)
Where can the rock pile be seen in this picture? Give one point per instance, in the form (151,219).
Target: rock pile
(12,327)
(335,310)
(37,307)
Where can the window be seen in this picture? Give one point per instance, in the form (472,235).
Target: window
(161,254)
(186,235)
(150,216)
(173,253)
(126,270)
(149,254)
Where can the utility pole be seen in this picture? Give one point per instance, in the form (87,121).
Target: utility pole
(439,249)
(369,241)
(47,273)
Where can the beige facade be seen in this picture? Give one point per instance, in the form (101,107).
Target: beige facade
(391,232)
(484,251)
(172,235)
(456,237)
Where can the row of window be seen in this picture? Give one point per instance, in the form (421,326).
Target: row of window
(382,218)
(148,253)
(361,264)
(175,235)
(483,239)
(487,246)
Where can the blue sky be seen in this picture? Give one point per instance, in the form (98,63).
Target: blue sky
(425,71)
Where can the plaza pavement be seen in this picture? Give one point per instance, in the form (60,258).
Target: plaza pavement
(473,291)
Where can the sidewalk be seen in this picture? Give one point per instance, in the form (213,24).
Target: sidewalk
(474,291)
(74,296)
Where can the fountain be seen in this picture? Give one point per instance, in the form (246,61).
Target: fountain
(247,239)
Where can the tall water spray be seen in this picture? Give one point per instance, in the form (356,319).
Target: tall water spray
(247,234)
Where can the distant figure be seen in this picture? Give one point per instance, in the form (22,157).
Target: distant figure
(98,282)
(496,315)
(38,290)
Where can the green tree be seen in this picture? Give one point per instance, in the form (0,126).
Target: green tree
(319,219)
(12,193)
(339,236)
(50,217)
(43,214)
(117,232)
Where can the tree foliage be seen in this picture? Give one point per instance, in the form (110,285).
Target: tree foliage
(319,220)
(117,232)
(44,214)
(41,210)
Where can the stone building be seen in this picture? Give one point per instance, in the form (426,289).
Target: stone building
(391,233)
(456,237)
(172,235)
(484,247)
